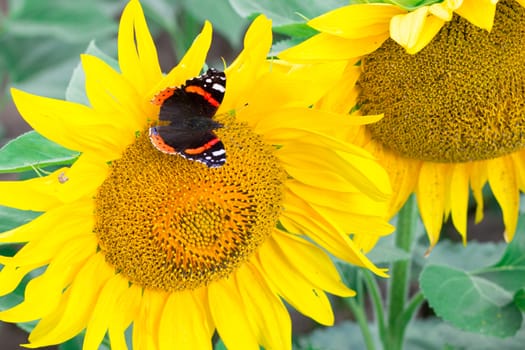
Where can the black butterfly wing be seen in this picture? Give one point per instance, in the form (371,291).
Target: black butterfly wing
(200,97)
(200,146)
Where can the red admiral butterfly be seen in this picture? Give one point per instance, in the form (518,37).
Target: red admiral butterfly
(185,120)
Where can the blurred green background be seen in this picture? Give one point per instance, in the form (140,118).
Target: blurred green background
(40,44)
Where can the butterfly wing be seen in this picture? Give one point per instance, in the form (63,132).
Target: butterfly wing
(200,97)
(204,147)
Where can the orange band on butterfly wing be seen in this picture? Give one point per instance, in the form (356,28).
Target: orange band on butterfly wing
(207,96)
(203,148)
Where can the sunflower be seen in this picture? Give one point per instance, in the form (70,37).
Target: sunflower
(449,79)
(133,238)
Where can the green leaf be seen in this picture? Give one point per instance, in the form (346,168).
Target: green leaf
(224,18)
(285,12)
(62,19)
(30,151)
(509,271)
(519,299)
(297,30)
(434,334)
(11,218)
(75,91)
(470,303)
(344,335)
(219,345)
(469,257)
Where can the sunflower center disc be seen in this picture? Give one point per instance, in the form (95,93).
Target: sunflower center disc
(169,223)
(461,98)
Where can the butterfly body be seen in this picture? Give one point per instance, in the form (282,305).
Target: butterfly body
(186,127)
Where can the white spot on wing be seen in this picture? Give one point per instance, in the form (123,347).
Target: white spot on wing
(218,153)
(218,87)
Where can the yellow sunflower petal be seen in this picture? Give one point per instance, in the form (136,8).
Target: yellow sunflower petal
(11,276)
(325,232)
(137,54)
(147,322)
(295,289)
(403,174)
(269,319)
(249,65)
(415,29)
(127,310)
(81,180)
(71,125)
(191,64)
(366,20)
(111,94)
(230,317)
(196,331)
(76,305)
(323,47)
(478,12)
(518,158)
(287,89)
(477,181)
(303,119)
(342,99)
(431,198)
(36,194)
(43,293)
(366,174)
(311,262)
(459,193)
(503,182)
(45,223)
(104,311)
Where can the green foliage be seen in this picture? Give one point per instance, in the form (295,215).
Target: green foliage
(75,91)
(30,151)
(486,300)
(11,218)
(41,40)
(469,302)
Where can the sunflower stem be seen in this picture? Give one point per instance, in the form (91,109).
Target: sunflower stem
(377,302)
(359,313)
(400,280)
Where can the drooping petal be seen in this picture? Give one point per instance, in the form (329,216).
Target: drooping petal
(431,198)
(478,178)
(503,182)
(459,192)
